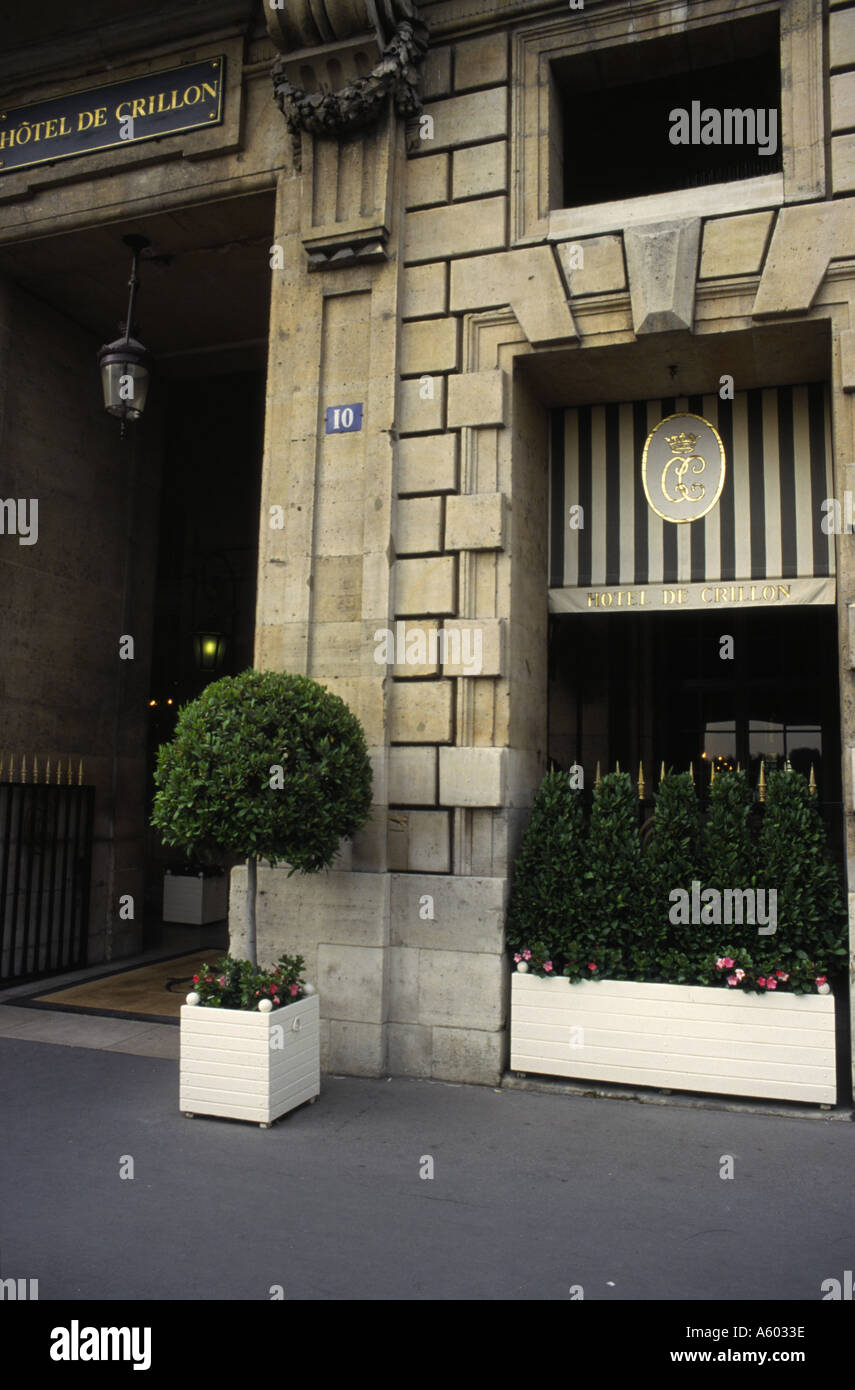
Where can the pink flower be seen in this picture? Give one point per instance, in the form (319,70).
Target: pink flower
(294,989)
(547,965)
(222,979)
(771,984)
(724,963)
(781,975)
(195,979)
(740,974)
(761,980)
(593,965)
(732,981)
(820,979)
(517,957)
(526,955)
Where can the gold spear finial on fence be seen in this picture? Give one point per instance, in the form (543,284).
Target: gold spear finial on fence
(23,767)
(36,768)
(662,772)
(812,782)
(597,778)
(761,781)
(47,773)
(738,765)
(692,773)
(58,771)
(712,772)
(641,781)
(12,768)
(617,766)
(80,773)
(68,779)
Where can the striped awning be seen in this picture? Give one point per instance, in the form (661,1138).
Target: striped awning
(766,526)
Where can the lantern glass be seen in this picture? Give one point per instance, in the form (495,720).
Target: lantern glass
(125,374)
(125,386)
(209,650)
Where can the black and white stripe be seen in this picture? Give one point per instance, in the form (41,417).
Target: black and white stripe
(767,523)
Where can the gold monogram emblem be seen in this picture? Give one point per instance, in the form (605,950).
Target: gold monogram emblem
(672,464)
(681,446)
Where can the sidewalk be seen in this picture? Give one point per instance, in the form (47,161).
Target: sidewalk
(532,1193)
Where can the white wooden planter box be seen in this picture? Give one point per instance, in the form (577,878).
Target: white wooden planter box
(188,898)
(682,1037)
(246,1065)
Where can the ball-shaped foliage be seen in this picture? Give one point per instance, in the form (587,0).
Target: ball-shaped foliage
(265,765)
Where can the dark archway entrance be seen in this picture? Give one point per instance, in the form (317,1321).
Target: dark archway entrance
(642,689)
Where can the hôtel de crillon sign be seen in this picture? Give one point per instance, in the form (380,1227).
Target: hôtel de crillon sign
(120,113)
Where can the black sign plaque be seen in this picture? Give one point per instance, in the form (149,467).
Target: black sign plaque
(120,113)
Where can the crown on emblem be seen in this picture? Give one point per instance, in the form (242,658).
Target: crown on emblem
(681,443)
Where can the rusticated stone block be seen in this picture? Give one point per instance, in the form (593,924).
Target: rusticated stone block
(418,526)
(478,399)
(592,265)
(481,62)
(462,989)
(421,404)
(480,169)
(427,180)
(427,464)
(461,228)
(421,712)
(412,776)
(734,245)
(425,290)
(468,914)
(475,522)
(427,586)
(472,776)
(479,648)
(428,345)
(463,120)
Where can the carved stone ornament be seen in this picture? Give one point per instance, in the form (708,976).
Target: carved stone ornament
(363,99)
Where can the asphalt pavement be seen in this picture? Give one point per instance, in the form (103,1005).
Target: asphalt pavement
(406,1189)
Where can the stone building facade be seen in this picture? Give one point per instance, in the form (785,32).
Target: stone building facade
(403,191)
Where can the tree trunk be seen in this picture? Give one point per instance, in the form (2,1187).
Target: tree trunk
(251,882)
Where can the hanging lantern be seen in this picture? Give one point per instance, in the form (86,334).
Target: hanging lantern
(125,364)
(209,650)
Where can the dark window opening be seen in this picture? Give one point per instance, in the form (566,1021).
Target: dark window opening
(617,105)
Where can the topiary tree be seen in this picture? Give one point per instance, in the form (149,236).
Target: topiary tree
(727,850)
(794,860)
(611,875)
(672,860)
(546,897)
(268,766)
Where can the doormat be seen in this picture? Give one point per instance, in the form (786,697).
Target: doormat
(150,993)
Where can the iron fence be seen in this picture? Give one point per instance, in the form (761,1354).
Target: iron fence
(45,867)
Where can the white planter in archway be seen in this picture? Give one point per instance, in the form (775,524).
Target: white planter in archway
(246,1065)
(681,1037)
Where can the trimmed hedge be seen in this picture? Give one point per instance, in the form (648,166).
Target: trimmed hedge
(587,902)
